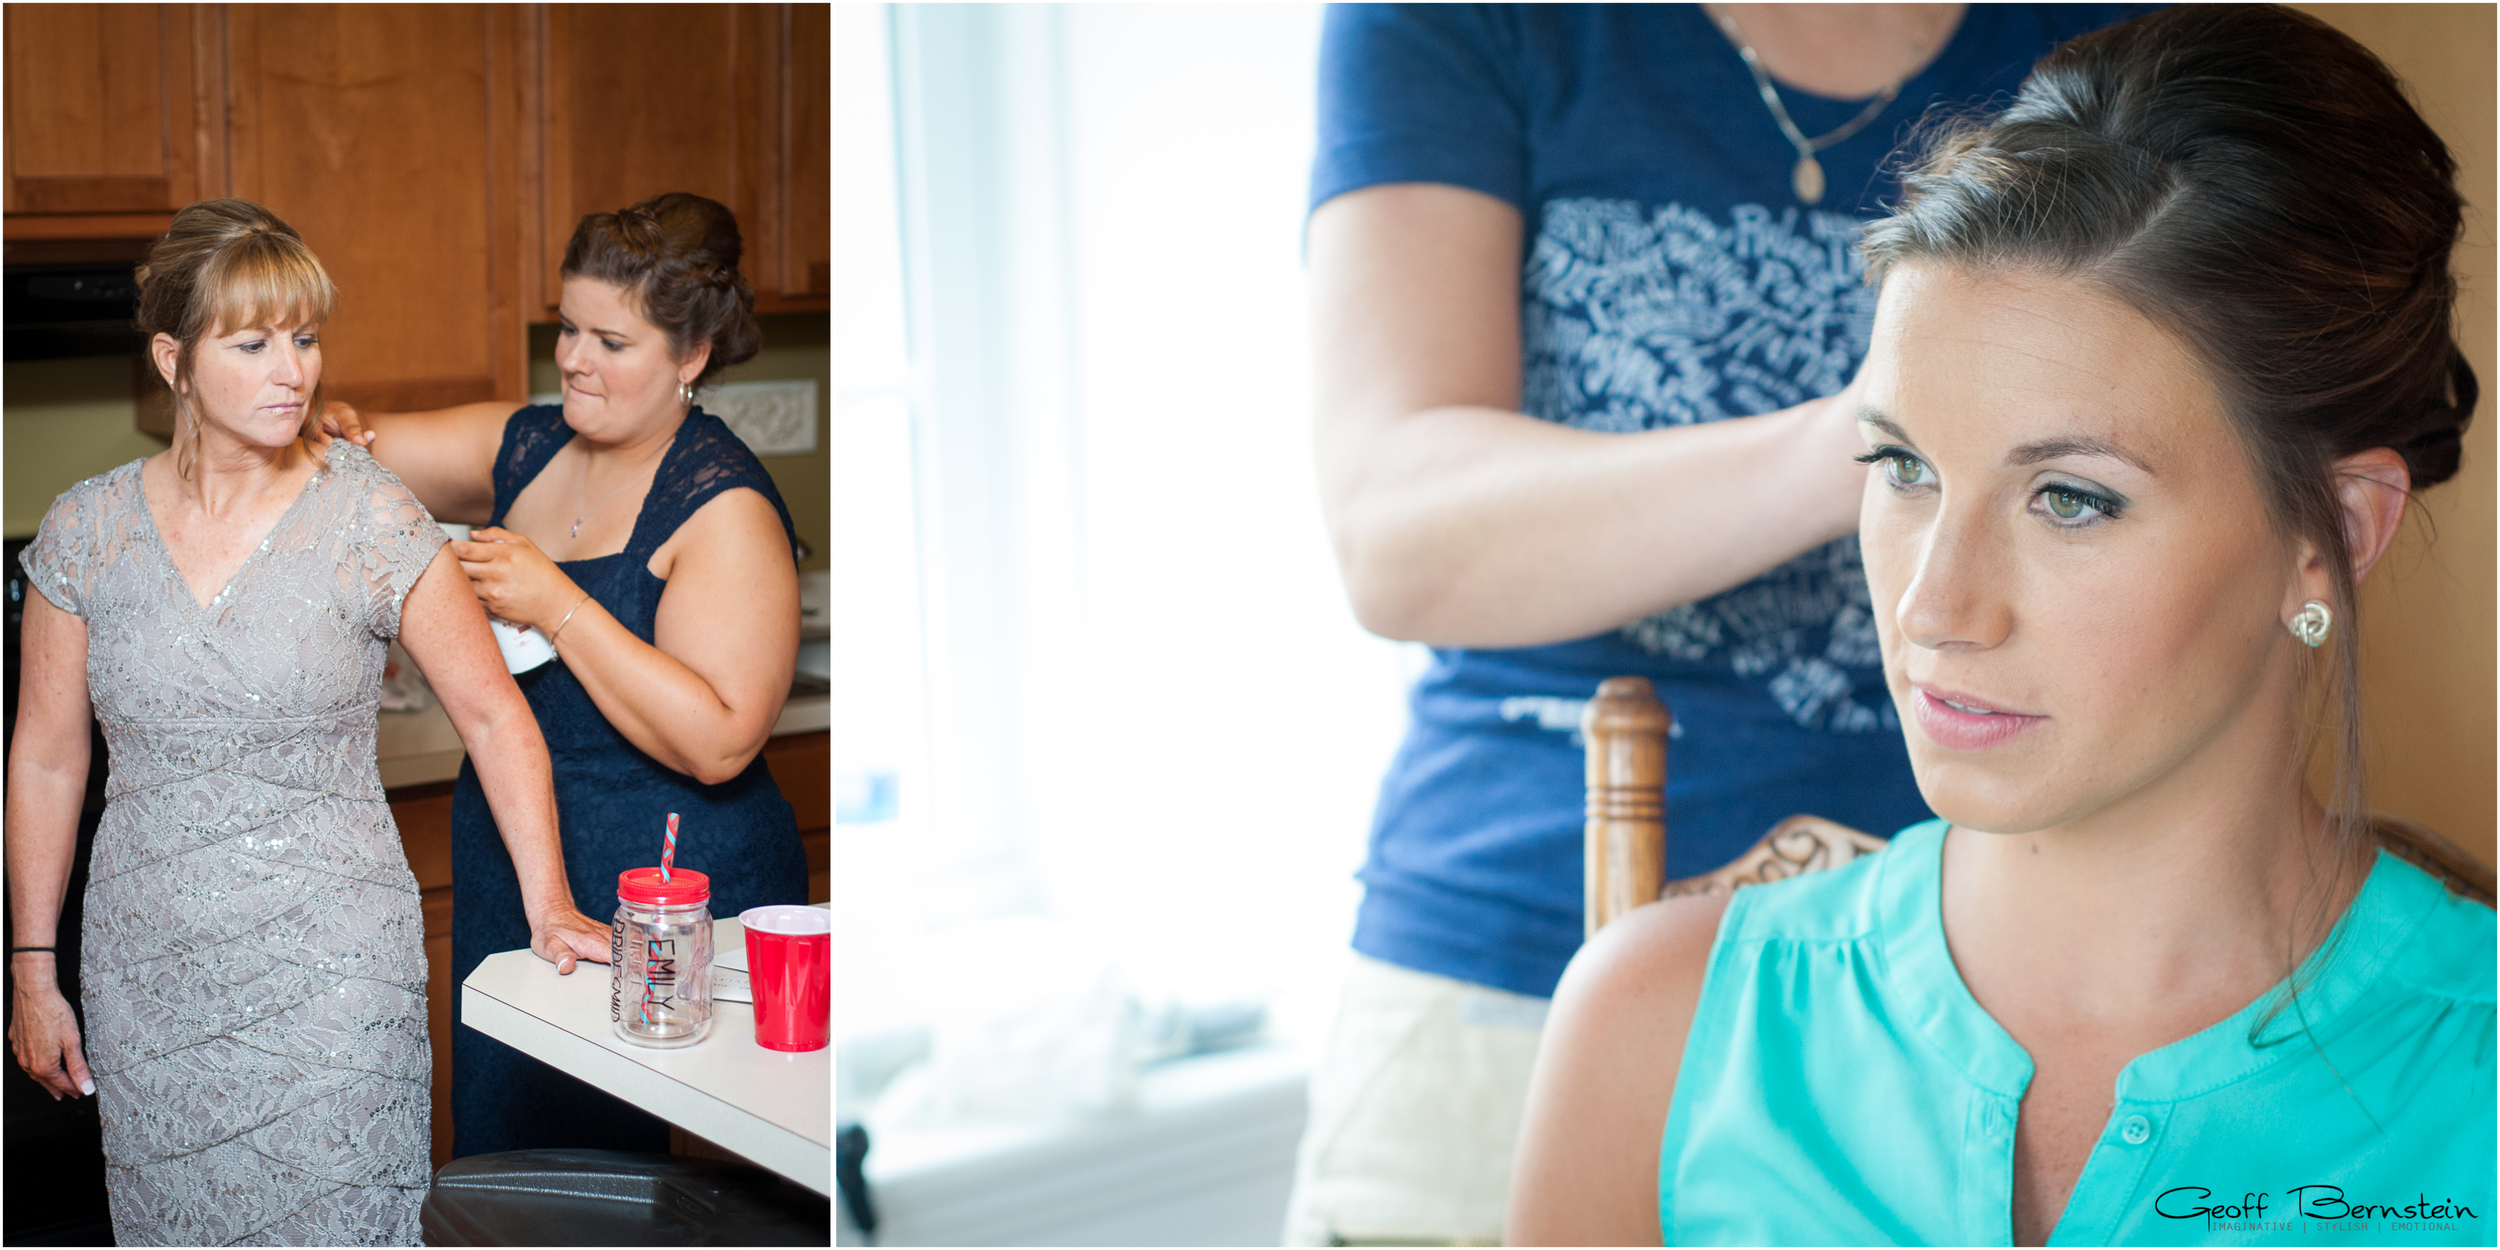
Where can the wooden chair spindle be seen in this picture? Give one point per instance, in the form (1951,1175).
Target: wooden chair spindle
(1625,728)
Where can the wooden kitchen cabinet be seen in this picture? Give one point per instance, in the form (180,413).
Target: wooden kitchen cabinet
(103,119)
(435,156)
(389,136)
(726,101)
(802,767)
(806,218)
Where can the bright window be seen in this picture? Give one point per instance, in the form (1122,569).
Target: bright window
(1093,645)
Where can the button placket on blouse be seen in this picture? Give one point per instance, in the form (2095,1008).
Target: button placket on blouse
(2117,1164)
(1988,1169)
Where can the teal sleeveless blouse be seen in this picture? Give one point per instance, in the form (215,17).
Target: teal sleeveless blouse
(1840,1085)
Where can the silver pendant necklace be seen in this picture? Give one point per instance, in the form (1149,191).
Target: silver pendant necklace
(583,510)
(1807,177)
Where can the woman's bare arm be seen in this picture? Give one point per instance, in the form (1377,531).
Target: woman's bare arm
(1586,1172)
(704,699)
(445,456)
(445,632)
(48,760)
(1457,520)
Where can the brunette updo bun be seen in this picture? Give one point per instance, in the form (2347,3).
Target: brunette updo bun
(677,254)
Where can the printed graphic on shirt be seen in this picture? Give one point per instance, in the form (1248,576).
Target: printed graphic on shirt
(1560,715)
(1635,317)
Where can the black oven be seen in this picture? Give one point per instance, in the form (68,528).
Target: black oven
(52,312)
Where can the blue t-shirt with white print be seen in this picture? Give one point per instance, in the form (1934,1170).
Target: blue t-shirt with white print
(1670,278)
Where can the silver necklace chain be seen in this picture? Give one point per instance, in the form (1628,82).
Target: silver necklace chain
(1806,179)
(584,510)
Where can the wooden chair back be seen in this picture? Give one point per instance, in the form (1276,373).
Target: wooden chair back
(1625,730)
(2463,874)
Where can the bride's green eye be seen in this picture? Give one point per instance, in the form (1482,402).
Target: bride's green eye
(1901,469)
(2073,504)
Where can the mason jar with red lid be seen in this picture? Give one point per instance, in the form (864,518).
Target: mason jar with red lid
(660,975)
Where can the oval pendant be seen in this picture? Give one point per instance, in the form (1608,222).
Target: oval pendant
(1807,178)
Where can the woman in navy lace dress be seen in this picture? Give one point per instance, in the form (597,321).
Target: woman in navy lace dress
(637,533)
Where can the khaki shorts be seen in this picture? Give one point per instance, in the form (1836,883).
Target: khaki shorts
(1415,1110)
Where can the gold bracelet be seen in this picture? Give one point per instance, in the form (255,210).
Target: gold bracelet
(568,617)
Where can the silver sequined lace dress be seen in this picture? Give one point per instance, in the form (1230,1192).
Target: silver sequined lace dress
(254,962)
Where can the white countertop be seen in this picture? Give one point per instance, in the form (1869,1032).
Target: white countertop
(771,1107)
(422,747)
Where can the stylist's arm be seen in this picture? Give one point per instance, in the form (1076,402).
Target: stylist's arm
(1460,521)
(445,632)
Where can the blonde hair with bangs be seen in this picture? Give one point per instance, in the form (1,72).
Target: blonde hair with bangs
(225,265)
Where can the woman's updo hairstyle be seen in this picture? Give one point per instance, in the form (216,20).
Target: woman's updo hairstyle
(222,266)
(2256,183)
(677,255)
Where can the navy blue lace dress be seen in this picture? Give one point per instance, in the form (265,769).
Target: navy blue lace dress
(611,801)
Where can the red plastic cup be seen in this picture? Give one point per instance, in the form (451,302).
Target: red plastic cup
(790,966)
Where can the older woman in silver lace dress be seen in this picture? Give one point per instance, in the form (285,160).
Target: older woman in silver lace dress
(254,954)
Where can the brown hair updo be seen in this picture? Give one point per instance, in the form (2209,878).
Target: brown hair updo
(222,266)
(2256,183)
(677,255)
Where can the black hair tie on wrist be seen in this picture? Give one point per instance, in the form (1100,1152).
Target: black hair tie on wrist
(19,950)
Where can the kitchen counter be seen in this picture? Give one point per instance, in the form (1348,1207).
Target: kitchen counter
(772,1107)
(421,747)
(420,755)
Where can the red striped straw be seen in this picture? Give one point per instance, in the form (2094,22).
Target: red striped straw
(668,852)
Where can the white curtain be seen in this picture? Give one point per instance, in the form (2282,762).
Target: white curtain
(1149,713)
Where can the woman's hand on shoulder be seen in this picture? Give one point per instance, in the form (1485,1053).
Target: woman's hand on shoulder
(730,614)
(446,456)
(1586,1172)
(339,419)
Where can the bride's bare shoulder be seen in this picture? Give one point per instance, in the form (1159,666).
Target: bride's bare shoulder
(1635,985)
(1587,1168)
